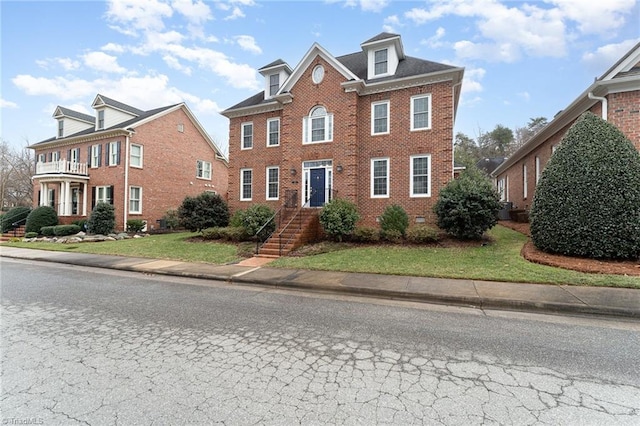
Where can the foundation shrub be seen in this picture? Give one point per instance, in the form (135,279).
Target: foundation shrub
(48,231)
(102,219)
(366,234)
(395,218)
(421,234)
(39,217)
(338,218)
(64,230)
(203,211)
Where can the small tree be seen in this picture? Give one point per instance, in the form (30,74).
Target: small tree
(39,217)
(203,211)
(468,206)
(338,218)
(587,202)
(102,219)
(394,218)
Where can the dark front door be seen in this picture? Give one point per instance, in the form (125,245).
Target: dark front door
(317,177)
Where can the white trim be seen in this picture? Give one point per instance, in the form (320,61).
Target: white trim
(307,126)
(269,121)
(537,163)
(411,188)
(373,117)
(413,99)
(501,186)
(387,177)
(139,200)
(203,172)
(242,135)
(277,182)
(242,197)
(525,181)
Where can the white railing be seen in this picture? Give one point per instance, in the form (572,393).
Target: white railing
(61,166)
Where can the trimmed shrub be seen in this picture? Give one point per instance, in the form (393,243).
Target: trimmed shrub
(227,233)
(338,218)
(64,230)
(468,206)
(135,225)
(171,218)
(587,202)
(203,211)
(16,214)
(39,217)
(391,235)
(48,231)
(252,220)
(366,234)
(394,218)
(420,234)
(102,219)
(82,223)
(31,234)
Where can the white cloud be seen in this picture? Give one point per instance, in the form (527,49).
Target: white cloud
(434,41)
(67,64)
(605,56)
(102,62)
(248,43)
(113,47)
(8,104)
(143,15)
(524,95)
(595,17)
(196,12)
(58,87)
(235,14)
(391,23)
(471,81)
(373,5)
(173,63)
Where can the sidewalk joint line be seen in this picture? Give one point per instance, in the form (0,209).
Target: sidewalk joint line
(239,274)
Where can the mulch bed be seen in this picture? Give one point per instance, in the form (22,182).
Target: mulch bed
(532,254)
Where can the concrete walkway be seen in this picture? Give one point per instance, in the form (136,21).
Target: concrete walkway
(480,294)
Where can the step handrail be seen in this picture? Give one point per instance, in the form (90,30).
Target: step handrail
(278,214)
(296,215)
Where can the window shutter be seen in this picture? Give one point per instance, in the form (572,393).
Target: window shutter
(106,154)
(99,155)
(110,194)
(89,157)
(50,157)
(118,151)
(93,197)
(68,155)
(40,198)
(59,156)
(78,154)
(53,198)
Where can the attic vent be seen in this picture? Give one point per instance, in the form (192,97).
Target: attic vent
(181,128)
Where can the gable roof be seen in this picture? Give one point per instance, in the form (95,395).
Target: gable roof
(623,76)
(101,100)
(66,112)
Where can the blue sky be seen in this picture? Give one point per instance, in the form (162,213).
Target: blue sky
(521,59)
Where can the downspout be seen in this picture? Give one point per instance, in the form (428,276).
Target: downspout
(453,136)
(604,104)
(126,179)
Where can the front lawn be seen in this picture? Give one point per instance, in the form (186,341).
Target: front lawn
(499,261)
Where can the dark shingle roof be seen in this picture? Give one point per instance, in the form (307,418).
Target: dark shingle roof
(381,36)
(75,114)
(273,64)
(256,99)
(120,105)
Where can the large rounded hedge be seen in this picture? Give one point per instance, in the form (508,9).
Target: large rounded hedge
(587,202)
(206,210)
(16,214)
(102,219)
(39,217)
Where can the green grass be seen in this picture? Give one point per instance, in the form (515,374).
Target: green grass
(162,246)
(499,261)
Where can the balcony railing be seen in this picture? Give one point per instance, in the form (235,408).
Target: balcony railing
(61,166)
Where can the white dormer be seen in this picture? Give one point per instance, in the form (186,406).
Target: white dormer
(275,74)
(71,122)
(384,53)
(110,113)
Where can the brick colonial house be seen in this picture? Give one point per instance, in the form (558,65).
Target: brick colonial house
(142,162)
(615,96)
(374,127)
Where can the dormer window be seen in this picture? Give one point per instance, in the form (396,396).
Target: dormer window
(274,84)
(381,62)
(60,128)
(101,119)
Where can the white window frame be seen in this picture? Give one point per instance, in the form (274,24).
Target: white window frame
(132,156)
(243,135)
(133,199)
(373,177)
(524,181)
(113,153)
(502,189)
(385,62)
(269,132)
(413,112)
(42,158)
(412,193)
(55,156)
(276,183)
(75,155)
(95,156)
(101,195)
(307,125)
(273,92)
(537,163)
(100,120)
(374,118)
(203,169)
(243,183)
(60,128)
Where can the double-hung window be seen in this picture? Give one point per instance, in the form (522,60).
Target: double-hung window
(247,135)
(274,84)
(101,119)
(273,132)
(96,155)
(103,194)
(379,178)
(42,158)
(380,118)
(113,153)
(420,172)
(60,128)
(502,189)
(380,62)
(273,177)
(135,199)
(136,156)
(55,156)
(318,126)
(421,112)
(246,184)
(203,169)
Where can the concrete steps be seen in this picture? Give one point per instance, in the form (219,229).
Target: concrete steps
(300,231)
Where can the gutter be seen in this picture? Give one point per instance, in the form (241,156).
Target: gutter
(604,103)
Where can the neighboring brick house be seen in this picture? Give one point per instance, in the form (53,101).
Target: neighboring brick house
(142,162)
(615,96)
(374,127)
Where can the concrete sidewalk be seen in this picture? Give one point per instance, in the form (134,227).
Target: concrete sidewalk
(480,294)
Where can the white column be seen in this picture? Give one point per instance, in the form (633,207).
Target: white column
(45,195)
(67,198)
(60,208)
(42,196)
(85,195)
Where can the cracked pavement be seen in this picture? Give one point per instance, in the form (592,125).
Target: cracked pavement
(81,365)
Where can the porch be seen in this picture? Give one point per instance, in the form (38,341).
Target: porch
(63,185)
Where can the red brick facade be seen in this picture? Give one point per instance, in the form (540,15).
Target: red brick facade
(352,147)
(171,146)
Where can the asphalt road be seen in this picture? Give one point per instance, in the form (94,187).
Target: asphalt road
(91,346)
